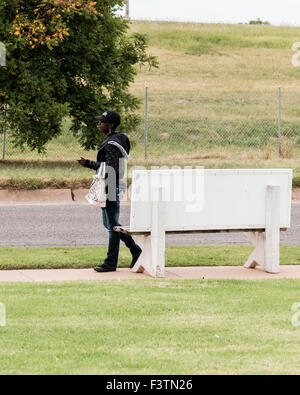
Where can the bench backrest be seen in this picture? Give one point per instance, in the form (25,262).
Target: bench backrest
(201,199)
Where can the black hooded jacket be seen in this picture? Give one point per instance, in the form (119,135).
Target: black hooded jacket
(114,150)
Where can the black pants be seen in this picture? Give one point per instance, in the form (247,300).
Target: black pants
(110,215)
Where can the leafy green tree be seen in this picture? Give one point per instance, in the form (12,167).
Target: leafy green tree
(67,57)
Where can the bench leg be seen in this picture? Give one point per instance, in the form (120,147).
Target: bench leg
(272,251)
(158,243)
(144,261)
(158,235)
(152,258)
(267,244)
(258,255)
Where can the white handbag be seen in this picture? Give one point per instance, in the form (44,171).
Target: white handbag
(97,193)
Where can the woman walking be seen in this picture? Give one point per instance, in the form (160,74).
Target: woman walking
(114,150)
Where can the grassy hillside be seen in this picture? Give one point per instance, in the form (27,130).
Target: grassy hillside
(201,38)
(216,91)
(230,70)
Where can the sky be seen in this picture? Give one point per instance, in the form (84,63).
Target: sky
(277,12)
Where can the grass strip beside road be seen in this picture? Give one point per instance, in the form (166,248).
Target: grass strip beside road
(31,184)
(296,182)
(87,257)
(150,327)
(33,175)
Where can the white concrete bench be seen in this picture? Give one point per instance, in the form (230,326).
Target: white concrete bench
(257,202)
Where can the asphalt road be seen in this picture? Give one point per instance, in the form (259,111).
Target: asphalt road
(81,225)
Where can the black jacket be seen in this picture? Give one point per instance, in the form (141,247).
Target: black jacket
(114,150)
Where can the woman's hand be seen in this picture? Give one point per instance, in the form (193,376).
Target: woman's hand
(82,161)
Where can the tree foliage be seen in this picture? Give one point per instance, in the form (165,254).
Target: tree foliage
(67,57)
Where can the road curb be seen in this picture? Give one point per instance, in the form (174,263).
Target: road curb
(67,196)
(40,196)
(48,196)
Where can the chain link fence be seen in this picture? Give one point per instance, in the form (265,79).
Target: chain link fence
(235,126)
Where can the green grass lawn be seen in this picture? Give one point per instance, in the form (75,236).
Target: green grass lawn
(87,257)
(150,327)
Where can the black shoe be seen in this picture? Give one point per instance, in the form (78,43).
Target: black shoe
(102,269)
(135,257)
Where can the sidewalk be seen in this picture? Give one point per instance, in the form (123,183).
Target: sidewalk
(207,273)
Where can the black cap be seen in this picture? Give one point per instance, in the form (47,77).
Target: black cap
(110,117)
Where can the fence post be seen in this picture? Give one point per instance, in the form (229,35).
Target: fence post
(146,123)
(4,132)
(127,9)
(279,122)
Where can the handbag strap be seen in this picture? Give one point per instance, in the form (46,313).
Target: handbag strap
(102,170)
